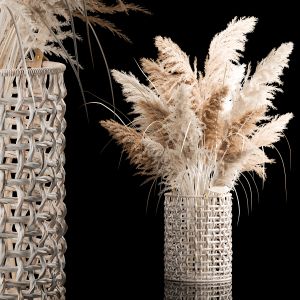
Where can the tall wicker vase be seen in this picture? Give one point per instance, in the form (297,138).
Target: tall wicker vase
(32,188)
(198,238)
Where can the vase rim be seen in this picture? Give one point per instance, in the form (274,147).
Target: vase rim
(210,194)
(48,67)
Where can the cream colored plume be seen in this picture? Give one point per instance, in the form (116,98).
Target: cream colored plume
(222,63)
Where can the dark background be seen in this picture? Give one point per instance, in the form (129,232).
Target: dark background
(115,247)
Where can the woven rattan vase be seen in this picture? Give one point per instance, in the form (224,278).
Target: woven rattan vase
(32,183)
(198,291)
(198,238)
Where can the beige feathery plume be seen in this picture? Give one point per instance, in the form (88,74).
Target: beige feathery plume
(171,68)
(151,119)
(231,151)
(174,60)
(132,89)
(162,81)
(271,132)
(128,137)
(247,123)
(131,141)
(233,142)
(227,173)
(147,105)
(225,50)
(259,89)
(255,161)
(182,127)
(228,44)
(210,116)
(154,111)
(237,146)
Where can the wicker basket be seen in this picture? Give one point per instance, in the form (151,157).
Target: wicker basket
(198,243)
(32,183)
(196,291)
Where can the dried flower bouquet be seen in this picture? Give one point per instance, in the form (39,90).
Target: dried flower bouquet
(198,131)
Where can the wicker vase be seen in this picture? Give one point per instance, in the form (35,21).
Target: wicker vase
(198,238)
(32,188)
(195,291)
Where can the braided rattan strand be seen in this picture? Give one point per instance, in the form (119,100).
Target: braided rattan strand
(198,243)
(195,291)
(32,183)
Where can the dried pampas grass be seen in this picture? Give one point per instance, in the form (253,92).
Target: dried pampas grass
(26,25)
(199,131)
(31,29)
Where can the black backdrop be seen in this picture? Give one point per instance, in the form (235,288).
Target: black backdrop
(115,247)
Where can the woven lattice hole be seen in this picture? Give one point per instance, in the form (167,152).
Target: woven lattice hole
(47,184)
(13,141)
(48,117)
(48,150)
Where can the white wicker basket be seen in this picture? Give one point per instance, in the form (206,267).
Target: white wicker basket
(198,238)
(196,291)
(32,188)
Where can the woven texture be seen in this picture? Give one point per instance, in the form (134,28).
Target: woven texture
(32,183)
(195,291)
(198,242)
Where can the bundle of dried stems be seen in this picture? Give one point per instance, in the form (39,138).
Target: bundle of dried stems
(26,25)
(198,131)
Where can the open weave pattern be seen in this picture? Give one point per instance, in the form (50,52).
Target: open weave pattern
(32,183)
(195,291)
(198,242)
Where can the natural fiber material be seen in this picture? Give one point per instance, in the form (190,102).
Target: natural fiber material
(32,183)
(198,130)
(198,243)
(196,291)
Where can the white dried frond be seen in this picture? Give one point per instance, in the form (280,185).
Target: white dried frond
(182,127)
(271,68)
(212,118)
(132,89)
(268,134)
(227,174)
(144,99)
(255,161)
(225,50)
(134,145)
(228,44)
(149,109)
(153,149)
(173,59)
(171,69)
(262,86)
(191,177)
(244,154)
(160,80)
(150,116)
